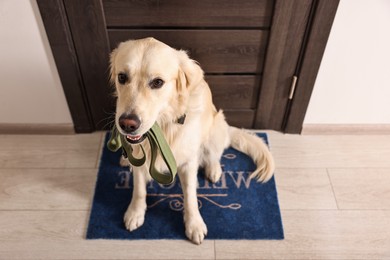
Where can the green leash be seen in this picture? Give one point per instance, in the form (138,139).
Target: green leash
(157,143)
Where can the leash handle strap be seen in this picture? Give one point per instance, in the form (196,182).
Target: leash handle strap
(157,144)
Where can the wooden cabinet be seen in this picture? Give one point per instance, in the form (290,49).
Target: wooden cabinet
(249,50)
(227,38)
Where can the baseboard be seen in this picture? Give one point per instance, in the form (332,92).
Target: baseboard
(47,129)
(346,129)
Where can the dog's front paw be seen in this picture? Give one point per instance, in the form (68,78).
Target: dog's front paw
(134,219)
(196,230)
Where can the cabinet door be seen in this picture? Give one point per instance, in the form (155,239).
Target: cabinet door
(250,51)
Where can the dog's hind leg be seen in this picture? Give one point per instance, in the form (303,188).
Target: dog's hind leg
(135,214)
(196,229)
(213,148)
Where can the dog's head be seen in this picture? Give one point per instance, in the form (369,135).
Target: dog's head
(153,82)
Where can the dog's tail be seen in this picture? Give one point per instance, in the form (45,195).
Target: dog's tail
(254,147)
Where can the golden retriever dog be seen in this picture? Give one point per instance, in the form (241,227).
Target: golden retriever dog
(156,83)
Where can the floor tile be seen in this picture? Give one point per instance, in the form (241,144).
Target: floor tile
(333,191)
(304,189)
(296,151)
(85,158)
(50,151)
(46,189)
(60,235)
(50,142)
(361,188)
(319,234)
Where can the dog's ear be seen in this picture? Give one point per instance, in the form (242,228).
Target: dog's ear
(112,66)
(181,84)
(190,73)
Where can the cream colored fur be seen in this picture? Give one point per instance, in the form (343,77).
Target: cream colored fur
(200,141)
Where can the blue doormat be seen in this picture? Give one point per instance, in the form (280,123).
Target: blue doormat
(233,208)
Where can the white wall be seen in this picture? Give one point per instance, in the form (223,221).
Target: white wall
(30,88)
(353,84)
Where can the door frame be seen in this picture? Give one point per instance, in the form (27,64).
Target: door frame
(276,110)
(280,108)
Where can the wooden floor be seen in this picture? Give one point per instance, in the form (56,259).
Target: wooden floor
(334,193)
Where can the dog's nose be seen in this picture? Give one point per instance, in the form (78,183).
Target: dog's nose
(129,123)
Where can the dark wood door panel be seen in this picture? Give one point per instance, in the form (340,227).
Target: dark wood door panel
(65,56)
(217,51)
(87,25)
(240,117)
(288,29)
(234,92)
(179,13)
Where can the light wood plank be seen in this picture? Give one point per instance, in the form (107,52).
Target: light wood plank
(297,151)
(42,158)
(47,189)
(304,189)
(361,188)
(50,142)
(319,234)
(60,235)
(50,151)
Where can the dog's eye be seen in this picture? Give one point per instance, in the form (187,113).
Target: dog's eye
(122,78)
(156,83)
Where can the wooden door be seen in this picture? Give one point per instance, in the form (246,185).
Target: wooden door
(250,51)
